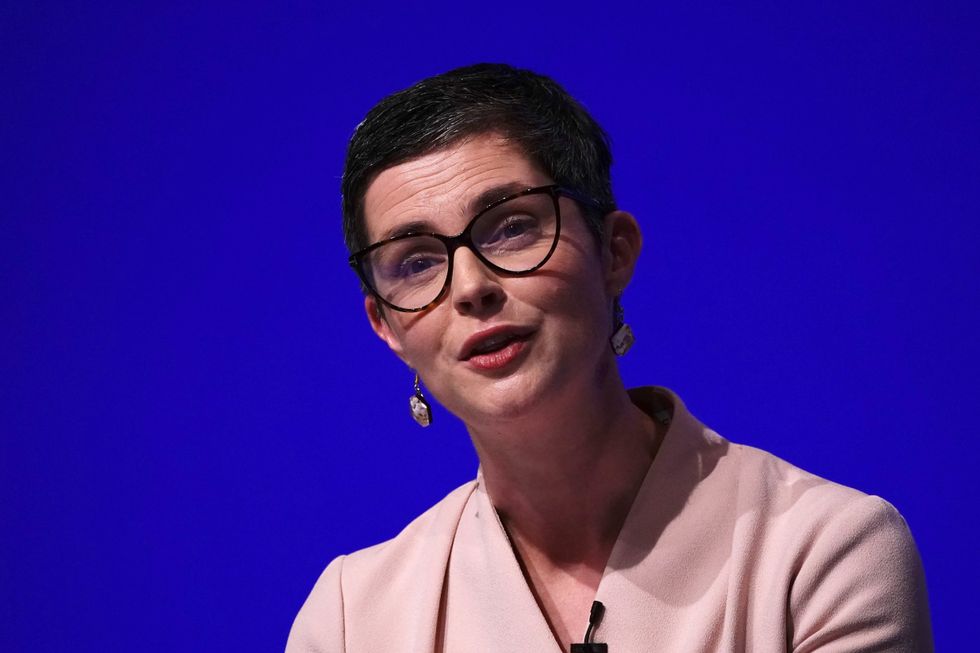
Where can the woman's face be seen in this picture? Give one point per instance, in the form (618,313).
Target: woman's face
(499,347)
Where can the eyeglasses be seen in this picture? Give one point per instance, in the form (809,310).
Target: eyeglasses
(515,235)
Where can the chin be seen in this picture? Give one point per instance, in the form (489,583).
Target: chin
(512,398)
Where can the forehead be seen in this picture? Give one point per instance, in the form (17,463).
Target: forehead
(440,188)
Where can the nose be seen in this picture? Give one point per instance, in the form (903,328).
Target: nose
(475,289)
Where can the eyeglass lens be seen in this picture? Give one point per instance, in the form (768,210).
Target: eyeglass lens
(515,236)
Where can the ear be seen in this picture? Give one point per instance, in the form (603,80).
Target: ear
(622,241)
(380,325)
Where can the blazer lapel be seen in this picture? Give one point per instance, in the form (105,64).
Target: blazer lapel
(671,553)
(488,605)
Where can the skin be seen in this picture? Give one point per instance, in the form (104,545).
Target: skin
(559,412)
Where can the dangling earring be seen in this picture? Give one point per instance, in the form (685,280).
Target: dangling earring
(622,337)
(421,412)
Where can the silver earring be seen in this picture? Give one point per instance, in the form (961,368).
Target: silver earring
(622,338)
(421,412)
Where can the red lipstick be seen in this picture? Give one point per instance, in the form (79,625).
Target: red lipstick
(498,358)
(496,347)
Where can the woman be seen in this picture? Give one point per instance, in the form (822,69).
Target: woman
(479,211)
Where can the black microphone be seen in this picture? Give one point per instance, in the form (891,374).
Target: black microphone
(595,616)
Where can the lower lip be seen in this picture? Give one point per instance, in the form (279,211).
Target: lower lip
(501,358)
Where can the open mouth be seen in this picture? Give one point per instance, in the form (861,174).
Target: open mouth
(494,342)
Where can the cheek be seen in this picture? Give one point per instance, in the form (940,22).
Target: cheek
(575,285)
(420,337)
(575,305)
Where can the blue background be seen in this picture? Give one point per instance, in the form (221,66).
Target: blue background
(195,416)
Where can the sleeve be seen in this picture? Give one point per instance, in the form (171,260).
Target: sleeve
(860,586)
(319,626)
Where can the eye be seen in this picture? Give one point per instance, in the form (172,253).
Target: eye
(513,227)
(416,264)
(414,259)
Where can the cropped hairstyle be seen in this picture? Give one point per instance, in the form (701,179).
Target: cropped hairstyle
(531,111)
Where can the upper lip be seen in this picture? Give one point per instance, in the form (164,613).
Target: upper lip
(480,338)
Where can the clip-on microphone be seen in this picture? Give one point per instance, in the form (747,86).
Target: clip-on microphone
(595,616)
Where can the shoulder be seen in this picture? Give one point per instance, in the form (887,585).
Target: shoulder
(852,572)
(842,562)
(805,508)
(786,492)
(361,584)
(414,546)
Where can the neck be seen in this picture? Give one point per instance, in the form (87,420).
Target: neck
(564,483)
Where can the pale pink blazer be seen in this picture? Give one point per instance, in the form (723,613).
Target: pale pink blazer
(726,548)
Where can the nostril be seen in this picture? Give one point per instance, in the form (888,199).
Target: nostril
(491,298)
(479,295)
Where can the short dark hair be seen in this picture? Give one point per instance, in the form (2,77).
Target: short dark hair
(528,109)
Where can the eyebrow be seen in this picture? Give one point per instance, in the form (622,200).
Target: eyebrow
(415,226)
(495,193)
(477,204)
